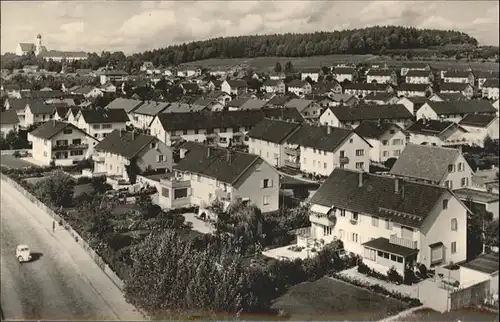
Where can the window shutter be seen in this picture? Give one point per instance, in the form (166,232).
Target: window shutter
(270,183)
(262,183)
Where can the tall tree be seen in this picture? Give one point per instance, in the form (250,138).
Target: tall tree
(277,67)
(289,67)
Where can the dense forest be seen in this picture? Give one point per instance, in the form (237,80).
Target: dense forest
(373,40)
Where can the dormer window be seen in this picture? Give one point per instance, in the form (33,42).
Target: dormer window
(153,145)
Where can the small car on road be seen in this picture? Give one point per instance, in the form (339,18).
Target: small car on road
(23,253)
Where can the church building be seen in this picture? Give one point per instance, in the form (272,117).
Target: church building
(41,51)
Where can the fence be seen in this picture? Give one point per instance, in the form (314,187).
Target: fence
(95,257)
(469,296)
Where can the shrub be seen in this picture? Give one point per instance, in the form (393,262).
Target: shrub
(363,269)
(16,154)
(423,270)
(394,276)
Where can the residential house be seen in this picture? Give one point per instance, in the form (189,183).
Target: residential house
(413,103)
(344,116)
(234,87)
(327,89)
(112,76)
(389,221)
(486,179)
(61,143)
(209,104)
(15,90)
(387,139)
(18,105)
(496,106)
(454,111)
(482,77)
(218,73)
(419,77)
(411,67)
(108,88)
(188,72)
(70,116)
(411,90)
(381,98)
(363,89)
(223,128)
(299,87)
(459,76)
(206,174)
(87,91)
(235,105)
(253,104)
(475,198)
(343,100)
(308,108)
(312,73)
(220,96)
(479,127)
(312,149)
(129,105)
(342,74)
(278,101)
(382,76)
(37,111)
(448,97)
(436,132)
(9,122)
(274,86)
(121,149)
(143,115)
(277,76)
(100,123)
(60,112)
(442,166)
(466,89)
(490,89)
(190,88)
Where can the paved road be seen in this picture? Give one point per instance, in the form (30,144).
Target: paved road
(63,283)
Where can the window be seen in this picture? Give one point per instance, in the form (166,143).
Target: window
(360,152)
(76,152)
(385,153)
(394,258)
(107,126)
(370,254)
(445,204)
(453,247)
(397,142)
(384,142)
(392,131)
(375,221)
(235,129)
(448,184)
(165,192)
(342,154)
(265,200)
(385,255)
(44,153)
(351,140)
(454,224)
(360,165)
(77,141)
(327,230)
(267,183)
(160,158)
(388,224)
(153,145)
(396,153)
(451,168)
(324,165)
(342,212)
(305,159)
(400,259)
(354,237)
(314,163)
(464,182)
(180,193)
(461,166)
(68,131)
(354,216)
(198,178)
(96,126)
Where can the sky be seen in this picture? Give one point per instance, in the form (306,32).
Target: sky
(135,26)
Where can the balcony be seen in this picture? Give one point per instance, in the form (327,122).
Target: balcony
(408,243)
(60,147)
(322,219)
(343,160)
(292,151)
(171,181)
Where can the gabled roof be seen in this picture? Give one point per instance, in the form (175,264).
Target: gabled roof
(452,97)
(61,111)
(223,119)
(379,96)
(371,112)
(491,83)
(342,97)
(179,107)
(410,206)
(272,82)
(279,100)
(27,46)
(299,104)
(463,107)
(124,143)
(50,128)
(457,73)
(344,71)
(454,86)
(413,87)
(275,131)
(380,72)
(366,86)
(297,83)
(9,117)
(217,164)
(317,137)
(47,94)
(18,103)
(216,94)
(204,102)
(127,104)
(237,83)
(477,120)
(418,73)
(93,116)
(429,127)
(253,104)
(374,129)
(151,108)
(38,106)
(84,89)
(190,86)
(238,102)
(424,162)
(486,74)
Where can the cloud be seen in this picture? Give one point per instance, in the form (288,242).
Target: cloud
(73,27)
(148,23)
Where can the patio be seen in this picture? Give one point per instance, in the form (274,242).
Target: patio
(286,253)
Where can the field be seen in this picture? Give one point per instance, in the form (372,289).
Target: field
(425,314)
(266,64)
(330,300)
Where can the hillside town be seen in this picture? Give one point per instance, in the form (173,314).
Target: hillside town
(380,175)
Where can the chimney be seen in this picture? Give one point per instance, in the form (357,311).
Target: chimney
(360,181)
(396,185)
(328,130)
(208,152)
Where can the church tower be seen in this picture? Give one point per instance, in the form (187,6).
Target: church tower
(38,45)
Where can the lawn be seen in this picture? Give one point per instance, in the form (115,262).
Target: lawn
(328,299)
(13,162)
(267,63)
(426,314)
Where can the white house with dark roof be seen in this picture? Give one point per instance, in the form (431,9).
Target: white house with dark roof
(410,67)
(448,97)
(454,111)
(113,76)
(299,87)
(234,86)
(122,148)
(18,105)
(412,103)
(37,111)
(100,123)
(129,105)
(381,98)
(490,89)
(274,86)
(419,77)
(464,88)
(206,174)
(442,166)
(479,127)
(411,90)
(390,222)
(361,90)
(459,76)
(9,122)
(253,104)
(309,109)
(483,76)
(382,76)
(345,73)
(312,73)
(475,198)
(436,133)
(143,115)
(387,139)
(312,149)
(345,116)
(61,143)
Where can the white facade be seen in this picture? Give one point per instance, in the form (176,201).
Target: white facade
(30,118)
(491,93)
(329,118)
(300,91)
(342,77)
(313,76)
(272,153)
(389,145)
(99,130)
(477,134)
(418,79)
(448,137)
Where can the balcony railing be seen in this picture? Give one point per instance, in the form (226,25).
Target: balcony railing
(70,147)
(408,243)
(343,160)
(292,151)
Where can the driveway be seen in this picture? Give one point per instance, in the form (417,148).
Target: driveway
(201,226)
